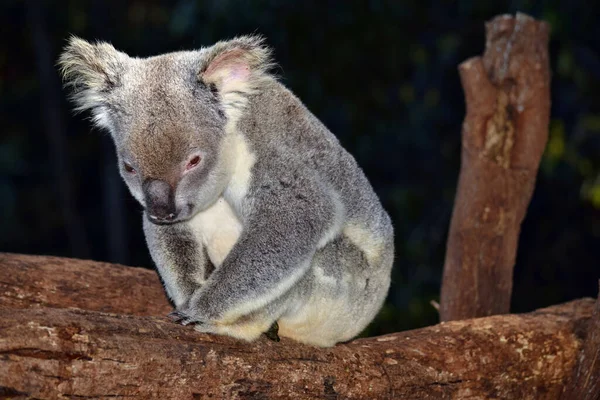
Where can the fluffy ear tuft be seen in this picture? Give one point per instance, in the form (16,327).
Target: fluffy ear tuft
(91,71)
(236,68)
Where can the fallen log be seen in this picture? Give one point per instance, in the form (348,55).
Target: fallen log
(507,95)
(50,349)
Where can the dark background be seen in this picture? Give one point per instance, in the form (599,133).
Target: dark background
(382,75)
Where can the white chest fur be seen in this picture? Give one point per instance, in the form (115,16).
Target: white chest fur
(217,228)
(238,154)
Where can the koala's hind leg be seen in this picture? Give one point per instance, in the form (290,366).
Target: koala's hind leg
(340,295)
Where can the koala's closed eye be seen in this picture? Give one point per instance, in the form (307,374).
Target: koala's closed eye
(193,162)
(128,168)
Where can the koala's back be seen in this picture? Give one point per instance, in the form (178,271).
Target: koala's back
(280,125)
(350,272)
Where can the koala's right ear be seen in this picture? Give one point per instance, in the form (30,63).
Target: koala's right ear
(91,71)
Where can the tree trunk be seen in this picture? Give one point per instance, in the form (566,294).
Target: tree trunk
(507,93)
(115,347)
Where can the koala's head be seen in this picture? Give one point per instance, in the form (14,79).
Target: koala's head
(169,116)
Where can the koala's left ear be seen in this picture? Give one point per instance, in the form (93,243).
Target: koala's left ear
(236,68)
(91,71)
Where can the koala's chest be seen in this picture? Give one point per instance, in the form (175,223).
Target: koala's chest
(218,229)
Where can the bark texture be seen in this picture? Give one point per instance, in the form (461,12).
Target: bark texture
(35,281)
(115,349)
(585,384)
(507,93)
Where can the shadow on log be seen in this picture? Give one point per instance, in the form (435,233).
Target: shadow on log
(115,348)
(585,384)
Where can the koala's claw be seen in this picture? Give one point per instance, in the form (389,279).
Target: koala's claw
(273,332)
(178,317)
(188,321)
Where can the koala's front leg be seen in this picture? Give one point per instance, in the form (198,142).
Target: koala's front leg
(180,259)
(287,216)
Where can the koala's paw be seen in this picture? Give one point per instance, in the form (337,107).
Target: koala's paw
(183,318)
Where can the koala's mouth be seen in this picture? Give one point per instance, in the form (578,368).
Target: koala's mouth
(166,219)
(160,217)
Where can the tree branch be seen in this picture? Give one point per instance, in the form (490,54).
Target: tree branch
(55,282)
(51,352)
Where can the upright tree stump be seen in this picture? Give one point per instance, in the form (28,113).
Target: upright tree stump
(507,94)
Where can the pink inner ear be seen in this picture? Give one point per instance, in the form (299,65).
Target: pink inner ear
(232,62)
(239,72)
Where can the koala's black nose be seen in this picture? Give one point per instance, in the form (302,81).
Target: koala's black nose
(160,201)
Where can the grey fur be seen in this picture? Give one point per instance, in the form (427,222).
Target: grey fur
(277,222)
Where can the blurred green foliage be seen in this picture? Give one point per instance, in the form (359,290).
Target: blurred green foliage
(380,74)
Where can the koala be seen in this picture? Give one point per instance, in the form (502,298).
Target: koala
(254,213)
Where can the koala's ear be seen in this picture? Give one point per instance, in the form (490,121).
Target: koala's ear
(91,71)
(236,68)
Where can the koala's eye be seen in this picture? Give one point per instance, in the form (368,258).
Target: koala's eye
(193,163)
(128,168)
